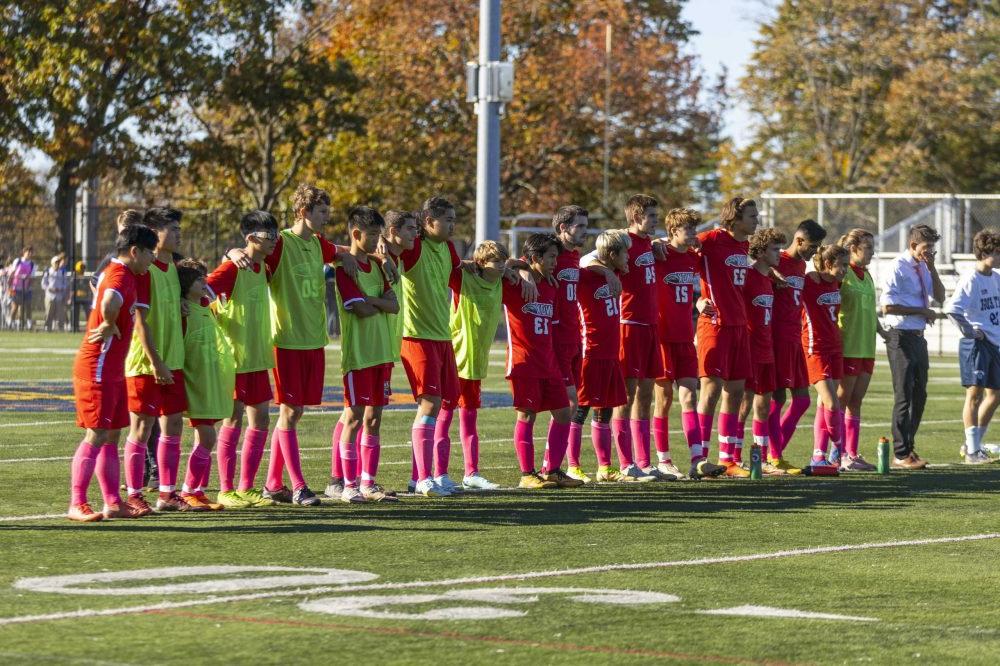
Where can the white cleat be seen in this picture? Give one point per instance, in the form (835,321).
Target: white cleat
(352,495)
(427,488)
(477,482)
(446,484)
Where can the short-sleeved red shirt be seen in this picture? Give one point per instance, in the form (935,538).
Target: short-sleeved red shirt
(639,284)
(820,310)
(724,267)
(106,362)
(530,352)
(758,294)
(675,279)
(788,300)
(567,331)
(598,313)
(349,290)
(222,280)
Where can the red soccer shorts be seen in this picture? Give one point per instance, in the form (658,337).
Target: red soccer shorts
(430,367)
(194,423)
(789,364)
(298,376)
(368,386)
(680,360)
(253,388)
(723,351)
(147,397)
(534,394)
(640,353)
(856,366)
(101,405)
(470,393)
(824,366)
(761,378)
(601,383)
(568,359)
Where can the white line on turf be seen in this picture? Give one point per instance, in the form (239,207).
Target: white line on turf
(32,424)
(768,611)
(41,516)
(472,580)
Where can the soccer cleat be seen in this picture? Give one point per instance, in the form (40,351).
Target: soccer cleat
(121,510)
(174,502)
(785,466)
(281,496)
(441,490)
(533,481)
(561,479)
(770,469)
(479,482)
(444,481)
(576,472)
(856,464)
(376,493)
(233,499)
(427,488)
(411,486)
(256,498)
(909,462)
(305,497)
(351,495)
(671,469)
(705,469)
(139,505)
(335,488)
(658,475)
(821,467)
(977,458)
(834,457)
(199,501)
(82,513)
(608,475)
(734,470)
(632,474)
(963,451)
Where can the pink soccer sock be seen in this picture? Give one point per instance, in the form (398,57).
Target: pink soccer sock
(575,442)
(135,465)
(622,434)
(422,436)
(81,471)
(225,454)
(790,419)
(357,447)
(661,438)
(349,456)
(253,451)
(692,433)
(336,464)
(275,465)
(199,464)
(640,442)
(370,451)
(852,433)
(738,434)
(288,440)
(821,436)
(469,433)
(705,427)
(600,435)
(524,445)
(555,446)
(109,473)
(168,459)
(761,437)
(442,441)
(413,462)
(835,426)
(728,424)
(774,430)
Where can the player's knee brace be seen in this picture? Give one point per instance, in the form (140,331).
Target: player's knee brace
(580,414)
(603,415)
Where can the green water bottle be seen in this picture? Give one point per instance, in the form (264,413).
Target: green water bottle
(884,454)
(755,462)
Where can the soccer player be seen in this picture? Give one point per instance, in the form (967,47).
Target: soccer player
(366,356)
(99,379)
(532,371)
(858,325)
(210,373)
(602,384)
(154,368)
(676,274)
(758,295)
(475,314)
(723,338)
(974,307)
(244,313)
(789,360)
(823,346)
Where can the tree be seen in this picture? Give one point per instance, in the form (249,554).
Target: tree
(81,79)
(855,96)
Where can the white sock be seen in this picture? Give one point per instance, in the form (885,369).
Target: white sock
(981,435)
(972,439)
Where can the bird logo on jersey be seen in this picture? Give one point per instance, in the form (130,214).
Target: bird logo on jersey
(680,278)
(796,282)
(645,259)
(603,292)
(829,298)
(569,275)
(537,309)
(764,300)
(738,261)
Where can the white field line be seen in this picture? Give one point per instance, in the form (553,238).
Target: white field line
(474,580)
(33,424)
(41,516)
(61,351)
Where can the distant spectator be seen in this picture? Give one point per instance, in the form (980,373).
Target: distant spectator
(56,283)
(19,286)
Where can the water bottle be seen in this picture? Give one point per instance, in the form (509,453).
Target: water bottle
(884,455)
(755,462)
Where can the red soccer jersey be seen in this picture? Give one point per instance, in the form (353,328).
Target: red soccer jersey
(788,300)
(638,296)
(106,362)
(567,331)
(530,352)
(820,309)
(724,267)
(759,298)
(675,278)
(222,280)
(598,313)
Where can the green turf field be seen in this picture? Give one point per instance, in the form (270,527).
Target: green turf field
(896,569)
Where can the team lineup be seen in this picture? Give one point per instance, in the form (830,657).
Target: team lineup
(733,324)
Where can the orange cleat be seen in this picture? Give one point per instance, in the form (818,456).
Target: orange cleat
(200,502)
(82,513)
